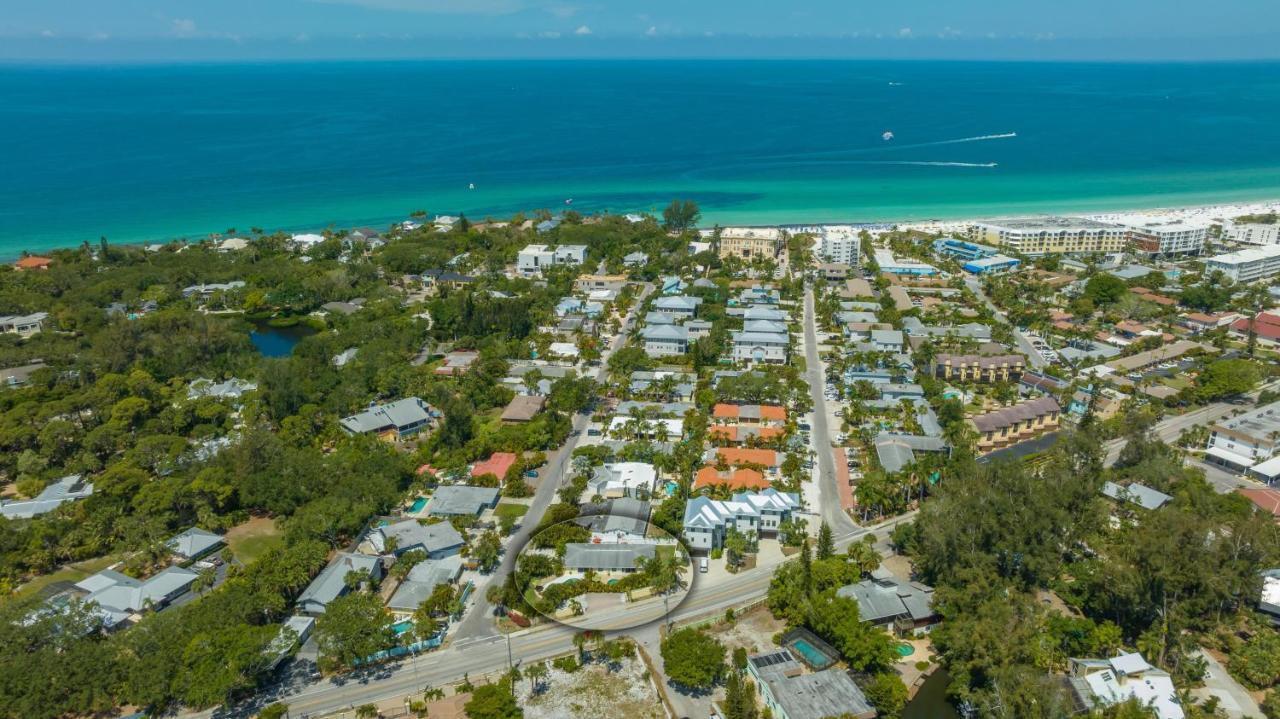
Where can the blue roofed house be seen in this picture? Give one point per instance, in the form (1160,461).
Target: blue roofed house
(401,418)
(331,582)
(672,285)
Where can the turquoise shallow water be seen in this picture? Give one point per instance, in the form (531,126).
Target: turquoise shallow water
(152,152)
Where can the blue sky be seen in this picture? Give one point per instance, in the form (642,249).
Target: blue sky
(1005,29)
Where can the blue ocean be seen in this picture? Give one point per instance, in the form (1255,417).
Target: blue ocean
(147,152)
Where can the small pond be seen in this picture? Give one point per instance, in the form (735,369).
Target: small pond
(278,341)
(931,701)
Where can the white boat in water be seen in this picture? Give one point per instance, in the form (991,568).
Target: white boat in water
(887,135)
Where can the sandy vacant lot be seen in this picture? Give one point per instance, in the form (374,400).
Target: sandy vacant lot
(594,691)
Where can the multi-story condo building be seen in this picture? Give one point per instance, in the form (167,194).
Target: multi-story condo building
(1253,233)
(1048,235)
(1245,440)
(665,340)
(977,368)
(749,243)
(839,245)
(1169,236)
(960,249)
(1251,265)
(706,520)
(1011,425)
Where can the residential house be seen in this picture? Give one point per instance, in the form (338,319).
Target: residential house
(654,429)
(533,259)
(436,540)
(623,479)
(421,582)
(194,543)
(461,500)
(887,340)
(665,340)
(523,408)
(331,582)
(203,292)
(590,283)
(344,308)
(635,259)
(32,262)
(585,557)
(893,604)
(679,306)
(1107,682)
(833,271)
(59,492)
(120,593)
(764,415)
(1265,327)
(760,347)
(230,389)
(616,521)
(20,376)
(896,451)
(394,420)
(23,325)
(1137,494)
(706,520)
(788,692)
(457,362)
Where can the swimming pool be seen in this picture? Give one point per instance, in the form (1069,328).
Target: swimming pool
(906,650)
(402,627)
(418,504)
(811,655)
(672,488)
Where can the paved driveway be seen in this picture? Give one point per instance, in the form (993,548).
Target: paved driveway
(1233,699)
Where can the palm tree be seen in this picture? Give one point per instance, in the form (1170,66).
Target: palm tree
(536,673)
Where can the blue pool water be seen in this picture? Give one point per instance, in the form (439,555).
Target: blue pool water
(418,504)
(811,655)
(402,627)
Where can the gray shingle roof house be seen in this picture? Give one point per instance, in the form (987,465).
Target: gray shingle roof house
(581,556)
(635,259)
(457,500)
(437,540)
(67,489)
(789,693)
(896,451)
(1139,494)
(422,580)
(194,543)
(886,600)
(622,516)
(118,592)
(404,416)
(331,582)
(231,389)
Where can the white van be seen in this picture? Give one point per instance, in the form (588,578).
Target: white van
(703,565)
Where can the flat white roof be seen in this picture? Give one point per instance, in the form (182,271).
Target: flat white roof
(1253,254)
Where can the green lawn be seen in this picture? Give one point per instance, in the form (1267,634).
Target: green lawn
(70,573)
(254,538)
(510,509)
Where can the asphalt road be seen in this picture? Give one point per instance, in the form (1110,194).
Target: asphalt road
(1033,355)
(828,493)
(1167,430)
(478,621)
(476,657)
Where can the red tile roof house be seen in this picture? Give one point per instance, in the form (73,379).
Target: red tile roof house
(1266,325)
(762,414)
(33,262)
(1150,296)
(497,464)
(743,478)
(1267,500)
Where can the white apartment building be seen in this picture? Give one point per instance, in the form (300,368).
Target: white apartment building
(1251,265)
(1247,439)
(533,258)
(1253,233)
(1047,235)
(706,520)
(1169,236)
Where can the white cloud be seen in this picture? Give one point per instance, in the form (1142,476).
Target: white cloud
(582,30)
(439,7)
(184,27)
(904,32)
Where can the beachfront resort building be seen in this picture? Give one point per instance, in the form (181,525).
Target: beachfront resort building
(1251,265)
(393,420)
(962,250)
(840,245)
(887,262)
(1047,235)
(534,258)
(706,520)
(1169,236)
(749,243)
(1252,233)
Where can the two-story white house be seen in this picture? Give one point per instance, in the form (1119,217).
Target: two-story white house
(760,347)
(533,259)
(665,340)
(706,520)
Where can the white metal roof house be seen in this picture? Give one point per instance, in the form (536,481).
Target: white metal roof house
(122,593)
(665,340)
(194,543)
(622,479)
(1107,682)
(889,602)
(66,489)
(437,540)
(706,519)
